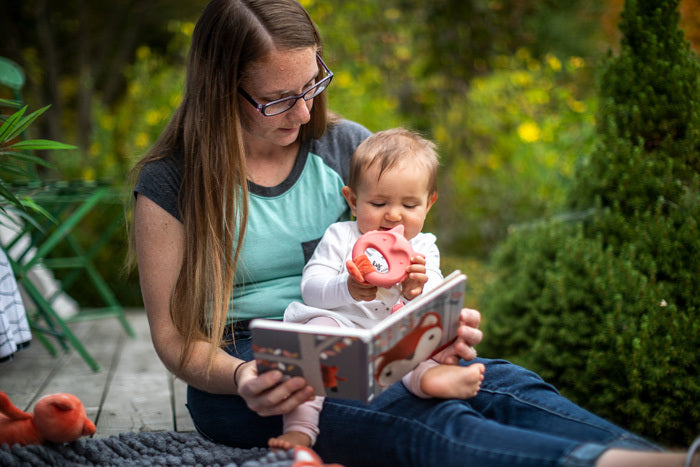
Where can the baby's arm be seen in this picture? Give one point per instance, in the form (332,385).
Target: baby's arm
(324,282)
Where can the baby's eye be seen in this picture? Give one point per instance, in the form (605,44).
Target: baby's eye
(377,204)
(410,206)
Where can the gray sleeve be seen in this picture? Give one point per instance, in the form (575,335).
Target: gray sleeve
(160,182)
(338,143)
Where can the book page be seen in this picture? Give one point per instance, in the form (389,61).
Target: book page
(415,333)
(334,365)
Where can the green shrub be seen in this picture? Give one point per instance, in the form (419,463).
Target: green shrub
(606,308)
(508,148)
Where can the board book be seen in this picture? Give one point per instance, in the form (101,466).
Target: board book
(356,363)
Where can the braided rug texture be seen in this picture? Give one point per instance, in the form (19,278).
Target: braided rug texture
(167,448)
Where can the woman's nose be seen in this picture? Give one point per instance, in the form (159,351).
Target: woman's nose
(302,110)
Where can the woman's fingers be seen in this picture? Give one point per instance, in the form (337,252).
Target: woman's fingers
(266,396)
(287,399)
(469,331)
(470,317)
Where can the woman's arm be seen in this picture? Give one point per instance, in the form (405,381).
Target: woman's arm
(159,245)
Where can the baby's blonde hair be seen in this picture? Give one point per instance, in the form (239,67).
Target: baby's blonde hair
(389,147)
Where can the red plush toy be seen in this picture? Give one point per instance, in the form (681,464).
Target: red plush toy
(59,418)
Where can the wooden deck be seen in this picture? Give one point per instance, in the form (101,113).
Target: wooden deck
(133,392)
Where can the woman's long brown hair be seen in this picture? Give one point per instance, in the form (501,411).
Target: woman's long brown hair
(206,127)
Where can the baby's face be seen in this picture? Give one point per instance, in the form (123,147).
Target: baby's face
(399,197)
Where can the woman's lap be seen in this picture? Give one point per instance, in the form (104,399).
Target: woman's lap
(516,419)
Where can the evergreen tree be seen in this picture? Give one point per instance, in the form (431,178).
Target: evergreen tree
(607,309)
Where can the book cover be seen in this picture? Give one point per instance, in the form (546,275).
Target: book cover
(361,363)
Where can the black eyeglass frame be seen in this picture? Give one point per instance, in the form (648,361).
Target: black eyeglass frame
(262,108)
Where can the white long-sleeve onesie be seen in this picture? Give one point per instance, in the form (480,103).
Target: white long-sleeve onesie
(325,293)
(324,281)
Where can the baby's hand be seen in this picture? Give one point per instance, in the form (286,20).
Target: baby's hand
(361,292)
(412,286)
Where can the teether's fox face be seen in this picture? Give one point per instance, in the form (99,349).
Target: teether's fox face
(415,347)
(395,249)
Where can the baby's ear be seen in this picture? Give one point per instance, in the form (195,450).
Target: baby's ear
(431,199)
(351,198)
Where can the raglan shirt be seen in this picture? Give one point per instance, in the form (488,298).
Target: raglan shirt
(285,222)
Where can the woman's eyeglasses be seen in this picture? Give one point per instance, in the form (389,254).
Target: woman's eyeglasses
(279,106)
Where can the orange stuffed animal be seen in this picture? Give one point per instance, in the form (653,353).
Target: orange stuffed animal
(59,418)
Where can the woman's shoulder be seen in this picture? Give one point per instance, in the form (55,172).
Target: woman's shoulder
(340,136)
(347,128)
(338,143)
(170,166)
(160,180)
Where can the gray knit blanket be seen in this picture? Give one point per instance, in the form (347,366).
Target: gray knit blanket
(142,449)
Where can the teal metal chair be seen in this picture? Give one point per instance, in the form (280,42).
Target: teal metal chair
(69,203)
(12,76)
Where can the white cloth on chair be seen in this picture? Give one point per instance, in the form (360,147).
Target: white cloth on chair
(14,327)
(40,276)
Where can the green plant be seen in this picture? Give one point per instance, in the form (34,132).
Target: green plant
(606,308)
(508,148)
(17,163)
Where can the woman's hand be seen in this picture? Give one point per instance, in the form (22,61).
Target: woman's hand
(266,395)
(412,286)
(468,335)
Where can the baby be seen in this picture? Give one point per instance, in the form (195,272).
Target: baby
(392,181)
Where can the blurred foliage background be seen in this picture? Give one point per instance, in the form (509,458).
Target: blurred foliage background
(509,89)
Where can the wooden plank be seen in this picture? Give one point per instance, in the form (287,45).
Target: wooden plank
(76,377)
(138,396)
(183,421)
(28,373)
(33,371)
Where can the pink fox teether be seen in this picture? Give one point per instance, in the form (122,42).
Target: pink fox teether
(395,249)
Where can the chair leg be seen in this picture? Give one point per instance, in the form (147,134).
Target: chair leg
(113,305)
(39,334)
(54,321)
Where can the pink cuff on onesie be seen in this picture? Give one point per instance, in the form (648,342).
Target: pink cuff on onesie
(412,379)
(305,418)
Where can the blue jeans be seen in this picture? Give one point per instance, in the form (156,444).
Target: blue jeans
(516,420)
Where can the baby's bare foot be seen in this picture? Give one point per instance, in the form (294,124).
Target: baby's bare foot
(289,440)
(452,381)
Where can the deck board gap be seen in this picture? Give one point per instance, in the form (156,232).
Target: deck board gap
(114,363)
(47,381)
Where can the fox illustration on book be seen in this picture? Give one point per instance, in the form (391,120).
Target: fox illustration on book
(415,347)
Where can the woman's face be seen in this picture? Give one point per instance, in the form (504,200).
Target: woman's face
(281,73)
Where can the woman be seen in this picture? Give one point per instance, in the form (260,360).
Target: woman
(231,201)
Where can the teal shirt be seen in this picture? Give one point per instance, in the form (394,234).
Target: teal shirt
(285,222)
(268,276)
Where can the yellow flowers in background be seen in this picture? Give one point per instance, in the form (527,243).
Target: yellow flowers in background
(529,132)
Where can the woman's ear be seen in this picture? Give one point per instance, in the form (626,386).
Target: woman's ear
(351,198)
